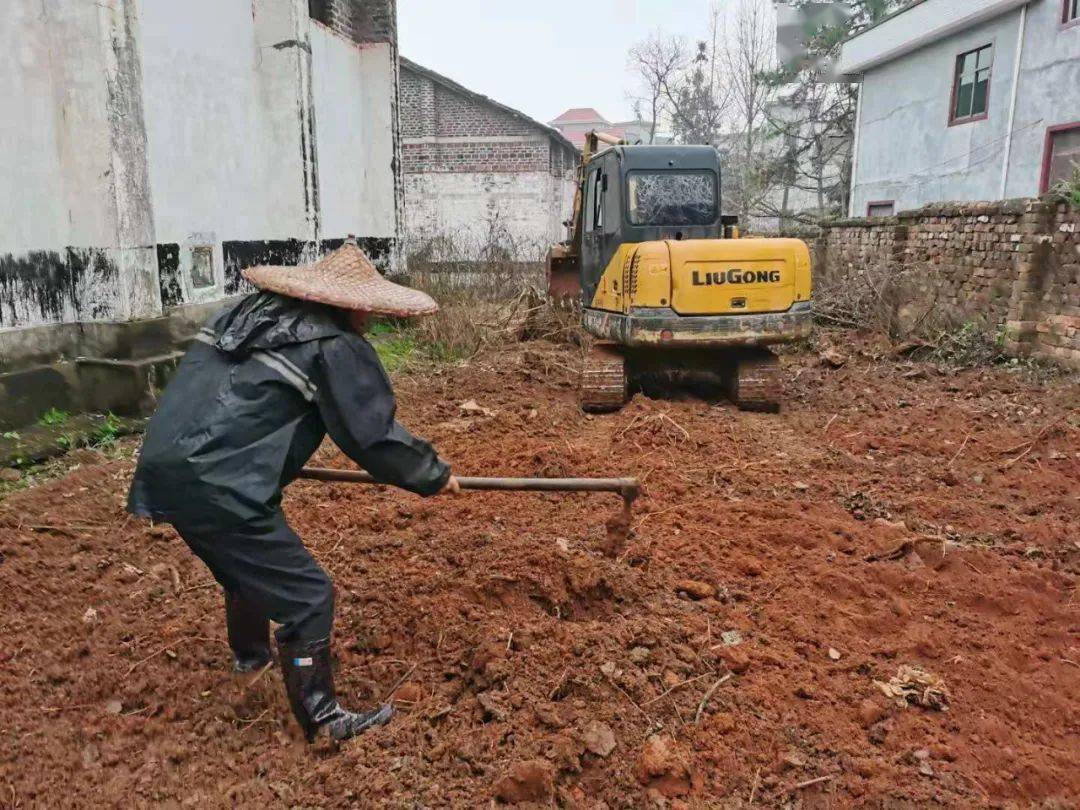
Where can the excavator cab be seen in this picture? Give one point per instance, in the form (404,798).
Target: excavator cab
(665,282)
(647,194)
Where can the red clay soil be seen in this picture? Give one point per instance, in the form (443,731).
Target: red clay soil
(779,566)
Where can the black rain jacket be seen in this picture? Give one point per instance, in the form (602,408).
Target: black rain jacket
(260,387)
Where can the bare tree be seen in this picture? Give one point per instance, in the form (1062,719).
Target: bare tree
(749,59)
(657,62)
(817,117)
(698,98)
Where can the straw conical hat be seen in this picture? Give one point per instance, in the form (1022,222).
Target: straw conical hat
(347,279)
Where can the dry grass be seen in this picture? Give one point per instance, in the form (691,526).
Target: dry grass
(489,292)
(901,301)
(905,303)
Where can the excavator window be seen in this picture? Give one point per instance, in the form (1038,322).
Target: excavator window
(596,200)
(672,197)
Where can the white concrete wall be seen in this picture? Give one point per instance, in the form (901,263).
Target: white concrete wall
(55,135)
(30,161)
(919,25)
(1049,93)
(908,152)
(225,163)
(524,210)
(212,130)
(131,125)
(353,89)
(74,242)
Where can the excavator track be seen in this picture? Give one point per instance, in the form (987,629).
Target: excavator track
(755,382)
(603,380)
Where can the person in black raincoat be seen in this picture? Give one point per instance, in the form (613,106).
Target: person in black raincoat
(261,386)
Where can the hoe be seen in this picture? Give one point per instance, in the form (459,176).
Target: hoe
(617,527)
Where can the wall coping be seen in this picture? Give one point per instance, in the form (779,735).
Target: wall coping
(1014,207)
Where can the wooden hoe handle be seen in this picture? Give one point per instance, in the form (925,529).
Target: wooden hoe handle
(629,488)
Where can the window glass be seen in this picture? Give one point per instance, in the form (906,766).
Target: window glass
(202,267)
(590,202)
(1072,10)
(881,209)
(964,94)
(672,198)
(971,91)
(1064,154)
(978,101)
(597,196)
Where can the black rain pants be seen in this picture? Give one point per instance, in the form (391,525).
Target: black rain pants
(265,563)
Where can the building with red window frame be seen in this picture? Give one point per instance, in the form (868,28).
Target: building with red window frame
(962,101)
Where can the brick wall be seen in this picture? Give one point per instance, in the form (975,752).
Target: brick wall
(479,173)
(1048,312)
(476,156)
(1015,264)
(359,20)
(485,137)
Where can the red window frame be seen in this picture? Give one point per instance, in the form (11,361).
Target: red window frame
(1070,13)
(874,203)
(968,119)
(1048,155)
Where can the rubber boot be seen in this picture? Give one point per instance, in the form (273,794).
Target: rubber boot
(249,634)
(309,684)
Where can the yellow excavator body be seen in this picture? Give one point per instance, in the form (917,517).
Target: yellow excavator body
(666,284)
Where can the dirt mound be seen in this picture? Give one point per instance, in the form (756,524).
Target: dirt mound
(778,572)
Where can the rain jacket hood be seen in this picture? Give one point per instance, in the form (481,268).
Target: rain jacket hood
(263,383)
(268,321)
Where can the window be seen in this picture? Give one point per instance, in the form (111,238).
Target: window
(672,198)
(971,86)
(202,267)
(596,201)
(1071,15)
(881,209)
(1061,155)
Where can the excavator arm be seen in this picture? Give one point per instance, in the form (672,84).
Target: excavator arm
(564,259)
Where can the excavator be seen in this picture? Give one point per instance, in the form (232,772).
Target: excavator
(665,283)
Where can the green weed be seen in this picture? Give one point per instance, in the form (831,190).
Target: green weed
(382,327)
(395,350)
(54,417)
(107,432)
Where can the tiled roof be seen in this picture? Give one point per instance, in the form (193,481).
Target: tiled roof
(579,115)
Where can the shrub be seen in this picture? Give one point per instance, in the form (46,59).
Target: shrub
(1069,189)
(970,345)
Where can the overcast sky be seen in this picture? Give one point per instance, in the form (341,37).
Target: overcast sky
(542,56)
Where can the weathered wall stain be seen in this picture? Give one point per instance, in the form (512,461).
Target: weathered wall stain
(110,77)
(285,252)
(47,285)
(243,254)
(172,289)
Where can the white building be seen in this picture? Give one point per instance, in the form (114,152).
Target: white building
(963,101)
(151,149)
(481,178)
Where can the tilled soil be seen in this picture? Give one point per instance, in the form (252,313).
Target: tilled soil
(779,567)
